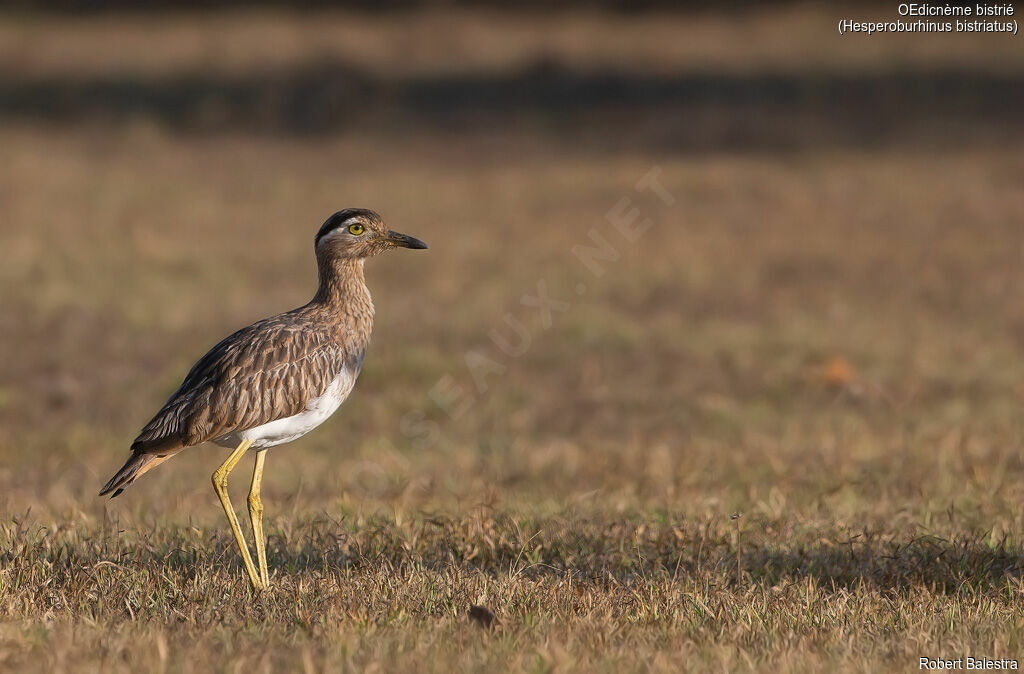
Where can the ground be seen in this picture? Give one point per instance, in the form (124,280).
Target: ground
(776,425)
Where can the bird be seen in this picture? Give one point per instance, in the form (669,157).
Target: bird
(275,380)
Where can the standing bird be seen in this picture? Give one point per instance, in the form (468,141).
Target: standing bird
(276,380)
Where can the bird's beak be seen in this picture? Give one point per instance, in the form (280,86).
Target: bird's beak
(405,241)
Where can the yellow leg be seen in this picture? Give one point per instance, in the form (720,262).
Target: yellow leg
(256,516)
(220,485)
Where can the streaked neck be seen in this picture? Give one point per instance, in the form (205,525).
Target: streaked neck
(341,283)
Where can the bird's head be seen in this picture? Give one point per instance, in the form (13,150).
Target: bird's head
(357,233)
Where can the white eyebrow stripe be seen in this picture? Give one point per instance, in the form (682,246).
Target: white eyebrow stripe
(341,228)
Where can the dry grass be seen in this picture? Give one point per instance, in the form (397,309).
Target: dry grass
(582,590)
(825,340)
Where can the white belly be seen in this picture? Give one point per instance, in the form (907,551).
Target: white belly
(317,411)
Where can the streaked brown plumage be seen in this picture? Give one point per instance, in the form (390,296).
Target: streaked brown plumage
(278,378)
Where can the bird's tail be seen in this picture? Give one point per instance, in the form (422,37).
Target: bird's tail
(132,468)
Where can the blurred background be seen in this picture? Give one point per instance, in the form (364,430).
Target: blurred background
(825,311)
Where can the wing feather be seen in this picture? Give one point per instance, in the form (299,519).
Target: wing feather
(267,371)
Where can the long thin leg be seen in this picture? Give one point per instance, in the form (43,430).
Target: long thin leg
(256,516)
(220,485)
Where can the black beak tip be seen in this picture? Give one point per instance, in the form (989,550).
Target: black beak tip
(406,241)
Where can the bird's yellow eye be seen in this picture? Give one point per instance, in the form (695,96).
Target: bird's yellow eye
(356,230)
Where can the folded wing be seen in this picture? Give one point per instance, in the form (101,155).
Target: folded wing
(267,371)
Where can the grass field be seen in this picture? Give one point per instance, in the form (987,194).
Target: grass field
(781,431)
